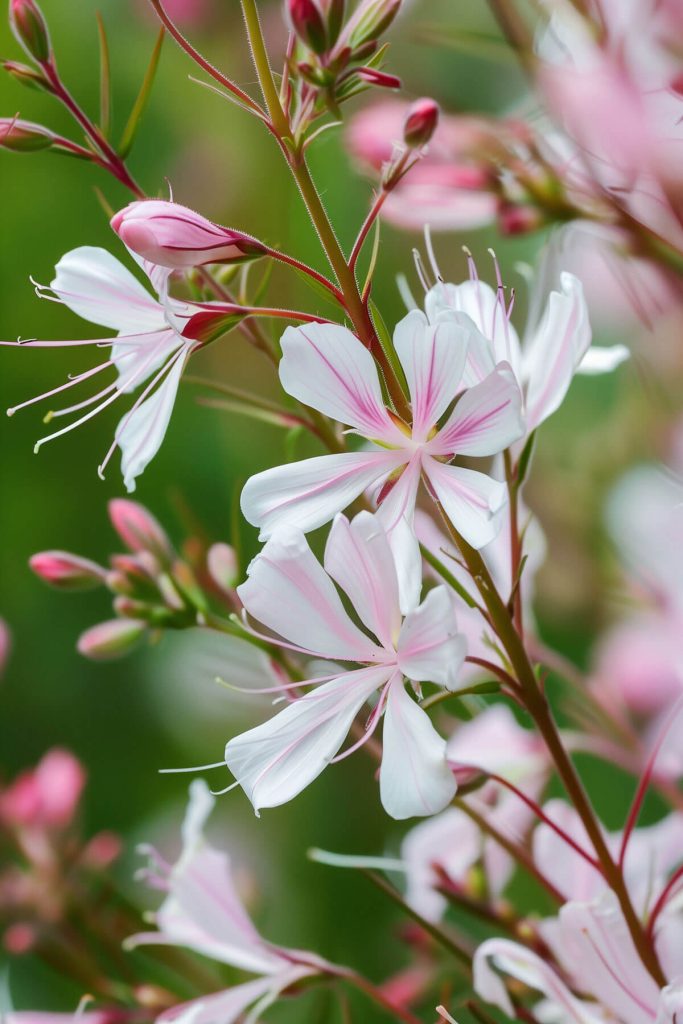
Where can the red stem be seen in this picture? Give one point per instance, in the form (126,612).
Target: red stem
(291,261)
(662,900)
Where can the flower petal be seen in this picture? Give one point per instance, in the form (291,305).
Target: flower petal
(484,307)
(472,501)
(433,359)
(486,419)
(430,648)
(98,288)
(602,359)
(327,368)
(552,356)
(359,560)
(414,778)
(309,493)
(278,759)
(288,590)
(226,1007)
(396,516)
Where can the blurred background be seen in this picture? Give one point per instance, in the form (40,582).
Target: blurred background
(126,719)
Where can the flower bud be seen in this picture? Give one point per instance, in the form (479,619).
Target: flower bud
(30,28)
(308,22)
(370,19)
(374,77)
(210,324)
(101,851)
(25,75)
(518,220)
(223,566)
(24,136)
(20,938)
(5,645)
(47,796)
(65,571)
(112,639)
(171,235)
(420,123)
(138,529)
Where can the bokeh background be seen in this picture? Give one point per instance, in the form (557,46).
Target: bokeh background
(127,719)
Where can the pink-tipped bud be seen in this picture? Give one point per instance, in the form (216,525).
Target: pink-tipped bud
(24,136)
(20,938)
(308,22)
(5,645)
(47,796)
(112,639)
(379,78)
(370,19)
(221,561)
(518,220)
(174,236)
(66,571)
(138,529)
(25,75)
(30,28)
(210,324)
(420,123)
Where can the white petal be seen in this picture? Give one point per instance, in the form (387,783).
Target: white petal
(288,590)
(552,356)
(309,493)
(472,501)
(219,1008)
(484,307)
(450,841)
(430,648)
(602,359)
(671,1003)
(486,419)
(396,516)
(276,760)
(97,287)
(433,360)
(359,560)
(327,368)
(138,356)
(141,432)
(414,778)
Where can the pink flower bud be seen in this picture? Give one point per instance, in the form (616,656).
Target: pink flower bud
(210,324)
(308,22)
(24,136)
(66,571)
(5,645)
(420,123)
(25,75)
(19,938)
(102,850)
(47,796)
(223,567)
(138,529)
(112,639)
(380,78)
(518,220)
(171,235)
(30,28)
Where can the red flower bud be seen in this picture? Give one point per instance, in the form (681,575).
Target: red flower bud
(26,76)
(30,28)
(309,24)
(65,571)
(380,78)
(420,123)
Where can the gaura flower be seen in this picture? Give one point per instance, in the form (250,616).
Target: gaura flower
(556,345)
(202,911)
(292,595)
(327,368)
(149,349)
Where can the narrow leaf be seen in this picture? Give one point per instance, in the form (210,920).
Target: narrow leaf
(388,346)
(373,260)
(447,576)
(130,131)
(105,78)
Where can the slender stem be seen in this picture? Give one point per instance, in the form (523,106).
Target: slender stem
(365,985)
(662,900)
(282,257)
(515,545)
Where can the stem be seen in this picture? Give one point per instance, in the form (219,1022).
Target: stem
(515,545)
(662,899)
(376,994)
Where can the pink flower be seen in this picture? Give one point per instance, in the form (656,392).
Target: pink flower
(170,235)
(46,796)
(149,348)
(327,368)
(293,596)
(451,188)
(203,912)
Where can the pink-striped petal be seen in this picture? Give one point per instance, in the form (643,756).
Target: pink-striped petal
(288,590)
(359,560)
(486,420)
(308,494)
(414,778)
(433,360)
(327,368)
(472,501)
(430,648)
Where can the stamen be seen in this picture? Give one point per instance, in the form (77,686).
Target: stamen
(405,292)
(197,768)
(421,273)
(430,252)
(370,728)
(222,792)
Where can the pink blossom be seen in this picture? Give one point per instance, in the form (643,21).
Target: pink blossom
(202,911)
(170,235)
(46,796)
(327,368)
(293,596)
(451,188)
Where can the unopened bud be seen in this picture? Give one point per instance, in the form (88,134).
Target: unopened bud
(66,571)
(138,529)
(223,566)
(174,236)
(102,850)
(19,938)
(379,78)
(420,123)
(308,22)
(112,639)
(24,136)
(151,997)
(210,324)
(5,645)
(370,20)
(30,28)
(518,220)
(25,75)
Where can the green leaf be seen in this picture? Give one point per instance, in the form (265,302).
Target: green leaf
(388,346)
(525,459)
(130,131)
(373,260)
(105,78)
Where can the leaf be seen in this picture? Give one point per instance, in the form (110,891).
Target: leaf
(130,131)
(373,261)
(388,346)
(105,78)
(525,459)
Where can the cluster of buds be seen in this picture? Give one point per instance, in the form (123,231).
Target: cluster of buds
(338,56)
(153,587)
